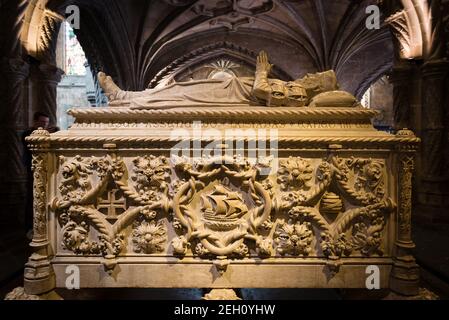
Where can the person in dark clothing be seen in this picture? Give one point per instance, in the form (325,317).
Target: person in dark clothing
(40,120)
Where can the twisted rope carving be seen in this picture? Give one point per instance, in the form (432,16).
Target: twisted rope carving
(356,197)
(316,217)
(176,207)
(317,192)
(130,215)
(327,140)
(96,218)
(221,112)
(347,218)
(93,193)
(129,192)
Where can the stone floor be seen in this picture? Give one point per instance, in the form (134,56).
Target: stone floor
(432,254)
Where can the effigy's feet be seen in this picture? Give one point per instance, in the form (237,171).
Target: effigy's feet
(108,85)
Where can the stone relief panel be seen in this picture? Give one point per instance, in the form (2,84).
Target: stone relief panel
(223,208)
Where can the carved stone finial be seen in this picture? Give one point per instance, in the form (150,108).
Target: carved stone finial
(109,263)
(39,139)
(222,264)
(221,294)
(405,133)
(41,132)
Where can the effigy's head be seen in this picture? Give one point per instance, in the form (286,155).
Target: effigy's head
(296,95)
(323,81)
(287,94)
(278,93)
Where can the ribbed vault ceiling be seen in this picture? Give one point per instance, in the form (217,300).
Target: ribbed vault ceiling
(137,41)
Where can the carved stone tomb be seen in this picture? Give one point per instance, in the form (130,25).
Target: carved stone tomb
(136,198)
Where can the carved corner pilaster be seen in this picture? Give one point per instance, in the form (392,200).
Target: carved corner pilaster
(39,277)
(405,273)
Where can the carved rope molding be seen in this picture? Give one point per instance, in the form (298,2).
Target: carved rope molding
(388,139)
(252,113)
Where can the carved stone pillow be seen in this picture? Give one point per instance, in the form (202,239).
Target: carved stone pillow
(334,99)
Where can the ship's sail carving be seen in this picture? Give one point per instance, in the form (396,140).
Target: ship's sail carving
(223,204)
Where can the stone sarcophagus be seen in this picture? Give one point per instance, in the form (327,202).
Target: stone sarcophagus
(223,197)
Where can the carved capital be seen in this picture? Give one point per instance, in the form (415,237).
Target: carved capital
(16,70)
(13,73)
(435,69)
(402,72)
(49,74)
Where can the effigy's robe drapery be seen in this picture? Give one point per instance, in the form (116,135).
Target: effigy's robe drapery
(115,196)
(228,92)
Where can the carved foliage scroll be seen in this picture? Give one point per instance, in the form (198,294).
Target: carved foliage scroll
(85,180)
(224,208)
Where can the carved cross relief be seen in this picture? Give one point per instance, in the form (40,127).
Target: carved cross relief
(113,205)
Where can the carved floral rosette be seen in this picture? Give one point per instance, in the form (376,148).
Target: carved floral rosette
(223,208)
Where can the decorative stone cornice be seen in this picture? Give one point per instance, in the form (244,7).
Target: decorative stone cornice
(303,142)
(221,114)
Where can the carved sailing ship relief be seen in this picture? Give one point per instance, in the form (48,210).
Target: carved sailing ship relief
(222,209)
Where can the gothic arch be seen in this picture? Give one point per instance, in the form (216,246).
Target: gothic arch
(207,53)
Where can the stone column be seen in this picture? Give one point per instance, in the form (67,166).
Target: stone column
(405,273)
(402,78)
(14,72)
(39,277)
(47,79)
(433,112)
